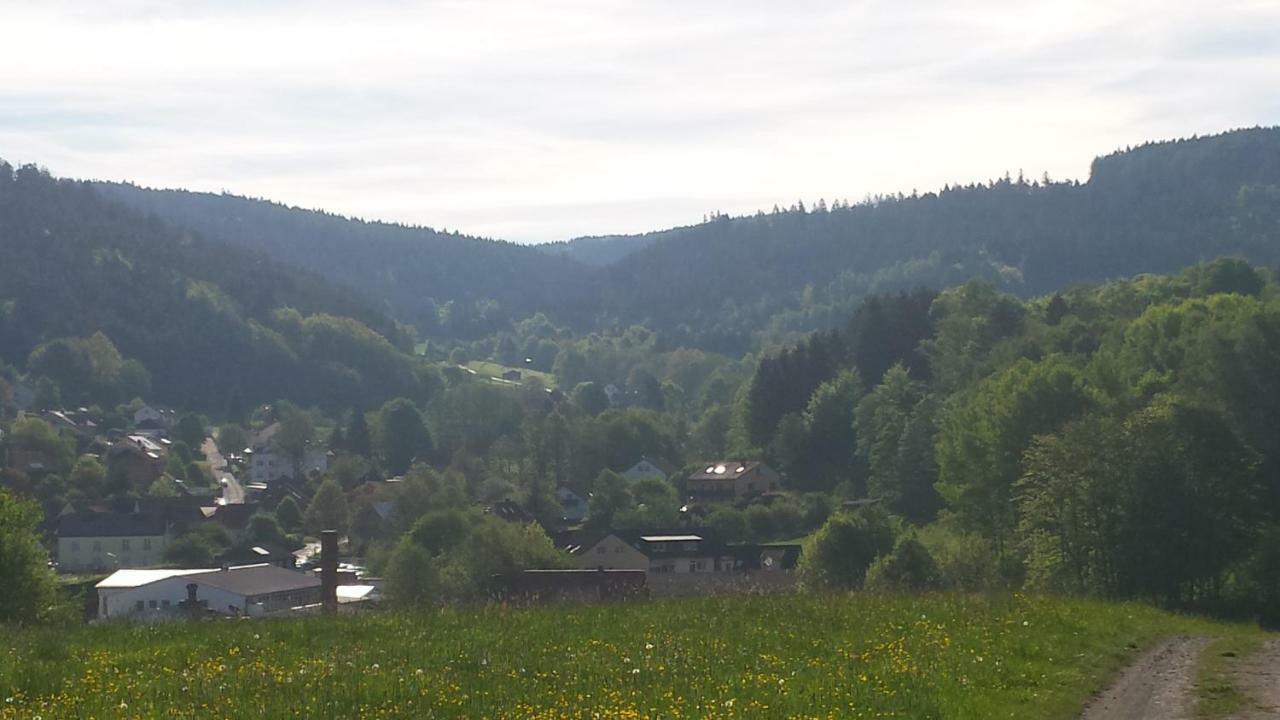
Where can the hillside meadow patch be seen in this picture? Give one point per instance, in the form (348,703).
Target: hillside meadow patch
(802,656)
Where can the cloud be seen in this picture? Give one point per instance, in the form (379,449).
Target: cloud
(539,121)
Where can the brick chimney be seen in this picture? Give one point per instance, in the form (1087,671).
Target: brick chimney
(329,570)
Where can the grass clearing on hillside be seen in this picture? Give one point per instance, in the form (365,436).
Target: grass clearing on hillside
(807,656)
(495,370)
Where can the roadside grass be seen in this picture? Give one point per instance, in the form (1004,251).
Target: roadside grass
(1216,694)
(495,370)
(798,656)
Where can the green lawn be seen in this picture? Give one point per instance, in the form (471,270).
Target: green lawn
(813,656)
(495,370)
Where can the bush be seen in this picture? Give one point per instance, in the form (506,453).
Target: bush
(909,567)
(839,554)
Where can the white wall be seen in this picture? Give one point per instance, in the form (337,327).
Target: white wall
(88,553)
(120,603)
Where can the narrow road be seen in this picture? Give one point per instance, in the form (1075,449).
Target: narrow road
(1157,686)
(232,491)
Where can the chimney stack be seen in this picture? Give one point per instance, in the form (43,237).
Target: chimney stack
(329,570)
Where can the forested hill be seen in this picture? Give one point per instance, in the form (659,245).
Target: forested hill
(1156,208)
(734,284)
(113,304)
(414,271)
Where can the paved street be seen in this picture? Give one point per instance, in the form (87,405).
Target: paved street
(232,491)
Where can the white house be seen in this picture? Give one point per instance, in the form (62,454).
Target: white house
(247,591)
(267,465)
(94,541)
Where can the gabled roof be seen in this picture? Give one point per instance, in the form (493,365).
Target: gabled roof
(665,468)
(109,524)
(725,470)
(652,542)
(256,580)
(509,510)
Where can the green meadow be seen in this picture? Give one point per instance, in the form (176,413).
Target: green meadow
(804,656)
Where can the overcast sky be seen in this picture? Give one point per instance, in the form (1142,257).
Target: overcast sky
(535,121)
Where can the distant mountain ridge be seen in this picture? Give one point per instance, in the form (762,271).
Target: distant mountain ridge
(731,284)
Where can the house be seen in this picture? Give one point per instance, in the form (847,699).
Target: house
(139,458)
(267,463)
(572,506)
(679,551)
(647,468)
(234,517)
(151,416)
(246,591)
(659,551)
(102,540)
(509,510)
(731,480)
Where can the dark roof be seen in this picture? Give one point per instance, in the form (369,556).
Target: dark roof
(510,511)
(728,470)
(256,580)
(708,544)
(665,467)
(182,510)
(109,524)
(235,515)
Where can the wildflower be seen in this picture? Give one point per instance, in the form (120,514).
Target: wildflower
(635,671)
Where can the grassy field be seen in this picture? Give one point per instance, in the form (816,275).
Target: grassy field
(858,656)
(494,370)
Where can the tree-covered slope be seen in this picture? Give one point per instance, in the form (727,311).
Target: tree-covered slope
(1155,208)
(415,271)
(215,326)
(732,284)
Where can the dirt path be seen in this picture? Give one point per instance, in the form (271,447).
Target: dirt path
(1258,677)
(1157,686)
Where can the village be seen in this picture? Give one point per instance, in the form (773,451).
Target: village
(126,552)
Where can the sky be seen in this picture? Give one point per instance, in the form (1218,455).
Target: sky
(537,121)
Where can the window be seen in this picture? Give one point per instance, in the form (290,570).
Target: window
(164,603)
(601,550)
(138,606)
(124,544)
(146,543)
(152,604)
(618,549)
(75,546)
